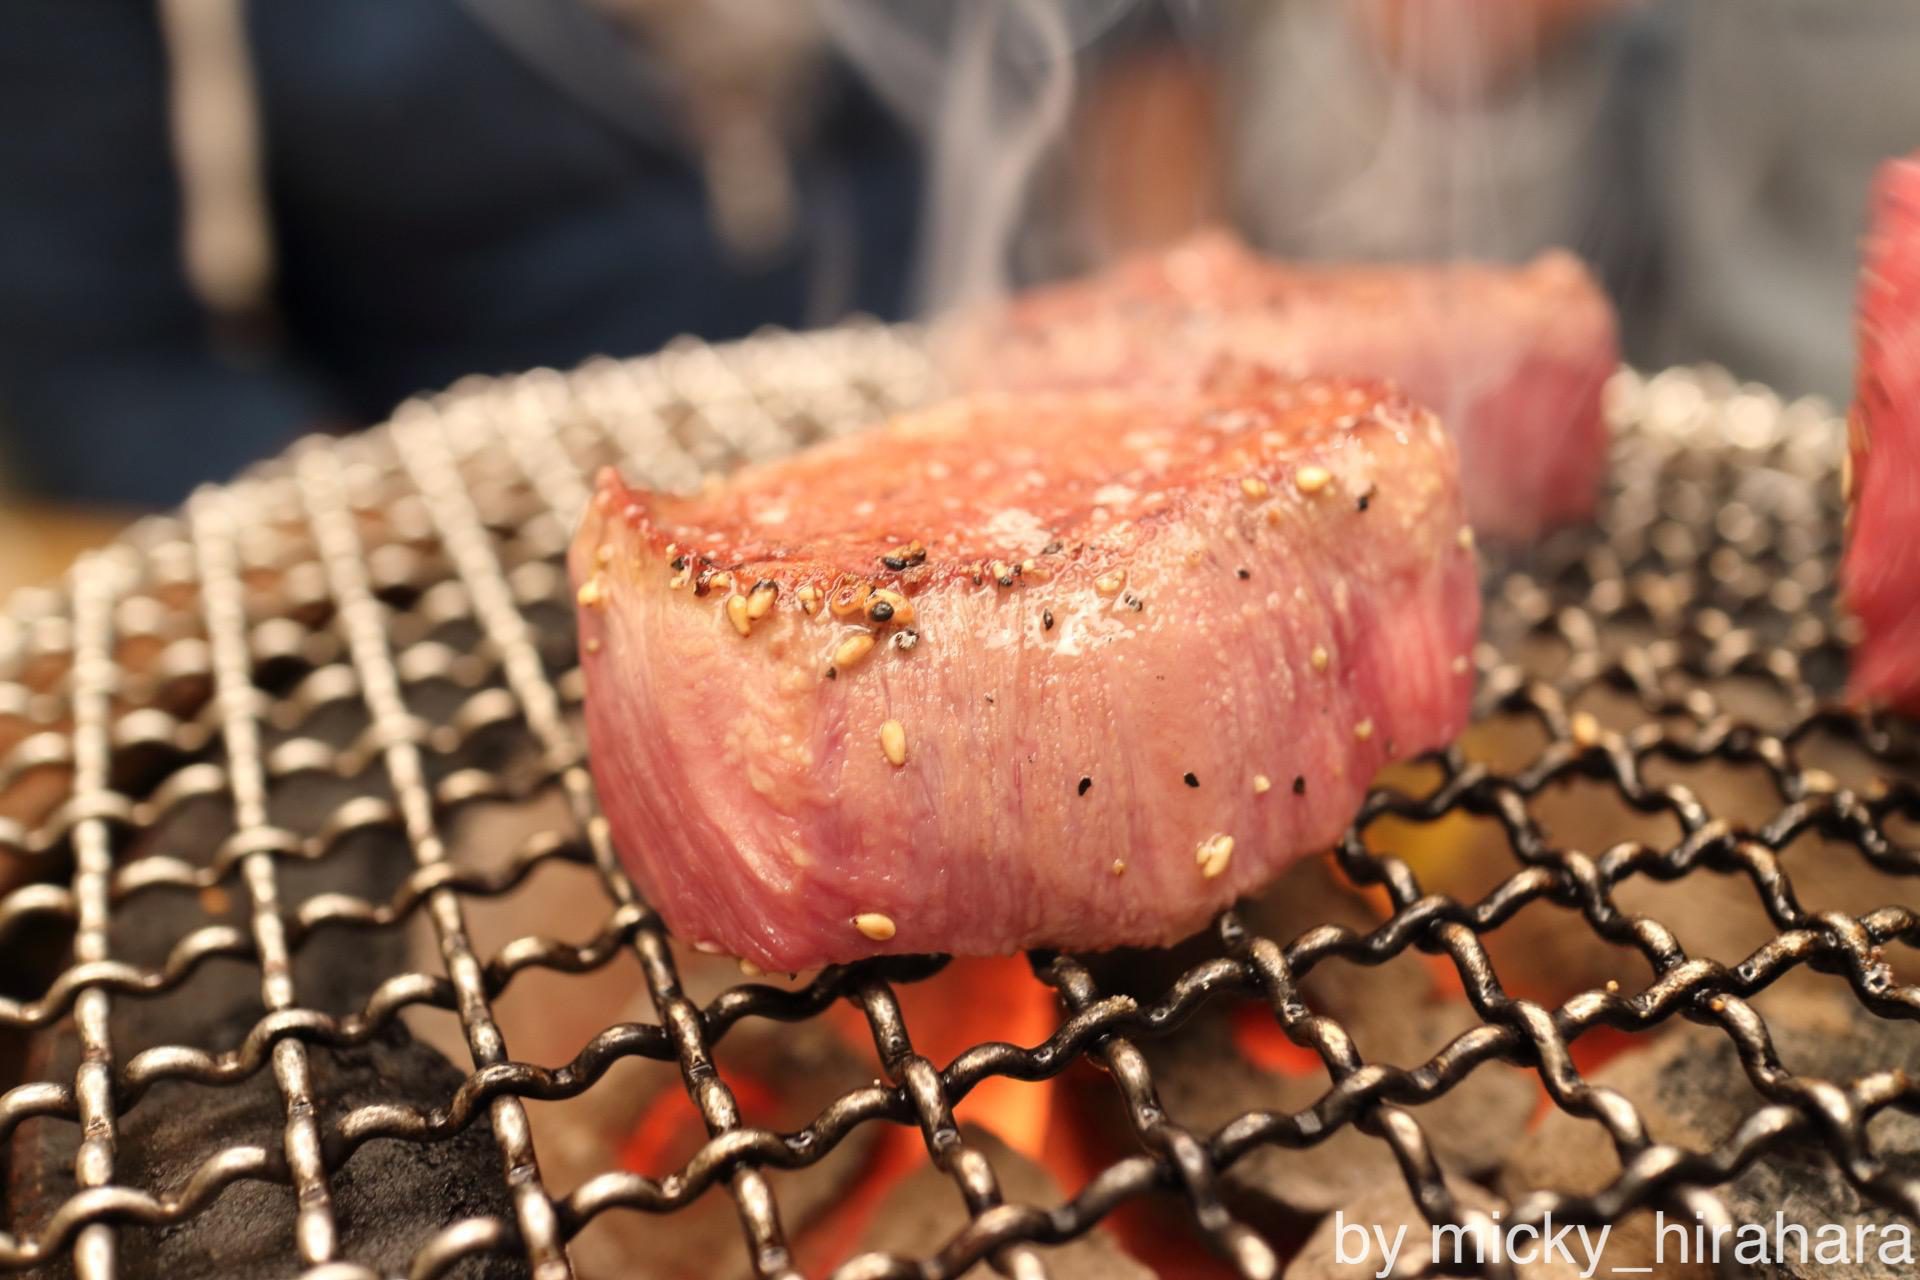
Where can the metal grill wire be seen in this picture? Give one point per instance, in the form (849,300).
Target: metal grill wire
(492,474)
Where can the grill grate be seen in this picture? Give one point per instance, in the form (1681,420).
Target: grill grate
(352,575)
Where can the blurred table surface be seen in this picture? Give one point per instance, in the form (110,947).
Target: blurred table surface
(39,540)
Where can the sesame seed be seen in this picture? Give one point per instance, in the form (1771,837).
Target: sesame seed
(852,649)
(591,595)
(721,581)
(893,743)
(1363,730)
(1213,854)
(1262,784)
(1466,538)
(707,948)
(1319,657)
(809,599)
(750,969)
(1299,784)
(593,644)
(1311,478)
(850,600)
(874,925)
(1586,729)
(603,555)
(1086,785)
(1254,487)
(1460,665)
(1109,584)
(738,614)
(1190,779)
(761,599)
(1119,867)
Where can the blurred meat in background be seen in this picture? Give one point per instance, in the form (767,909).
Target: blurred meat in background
(224,223)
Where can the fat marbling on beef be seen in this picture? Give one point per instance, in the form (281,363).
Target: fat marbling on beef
(1881,573)
(1513,359)
(1069,669)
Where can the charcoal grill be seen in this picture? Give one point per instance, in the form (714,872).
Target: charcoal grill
(177,668)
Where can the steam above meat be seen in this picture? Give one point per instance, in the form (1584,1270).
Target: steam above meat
(1514,359)
(1068,669)
(1881,573)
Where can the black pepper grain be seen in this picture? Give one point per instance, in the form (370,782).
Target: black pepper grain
(1299,784)
(1190,780)
(1086,785)
(833,673)
(1243,574)
(880,611)
(1046,619)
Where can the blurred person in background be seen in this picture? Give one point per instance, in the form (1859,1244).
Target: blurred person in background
(1712,158)
(225,223)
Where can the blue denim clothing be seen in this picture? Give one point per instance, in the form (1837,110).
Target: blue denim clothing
(454,188)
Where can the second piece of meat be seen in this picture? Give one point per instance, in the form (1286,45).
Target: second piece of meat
(1514,359)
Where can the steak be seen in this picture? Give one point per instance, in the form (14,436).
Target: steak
(1881,572)
(1070,669)
(1513,359)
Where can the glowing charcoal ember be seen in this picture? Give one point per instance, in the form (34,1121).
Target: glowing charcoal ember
(749,779)
(1881,572)
(1512,358)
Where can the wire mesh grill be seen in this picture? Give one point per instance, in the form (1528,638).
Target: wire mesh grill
(187,667)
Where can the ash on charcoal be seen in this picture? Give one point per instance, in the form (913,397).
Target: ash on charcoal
(1395,1015)
(389,1199)
(1692,1091)
(925,1210)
